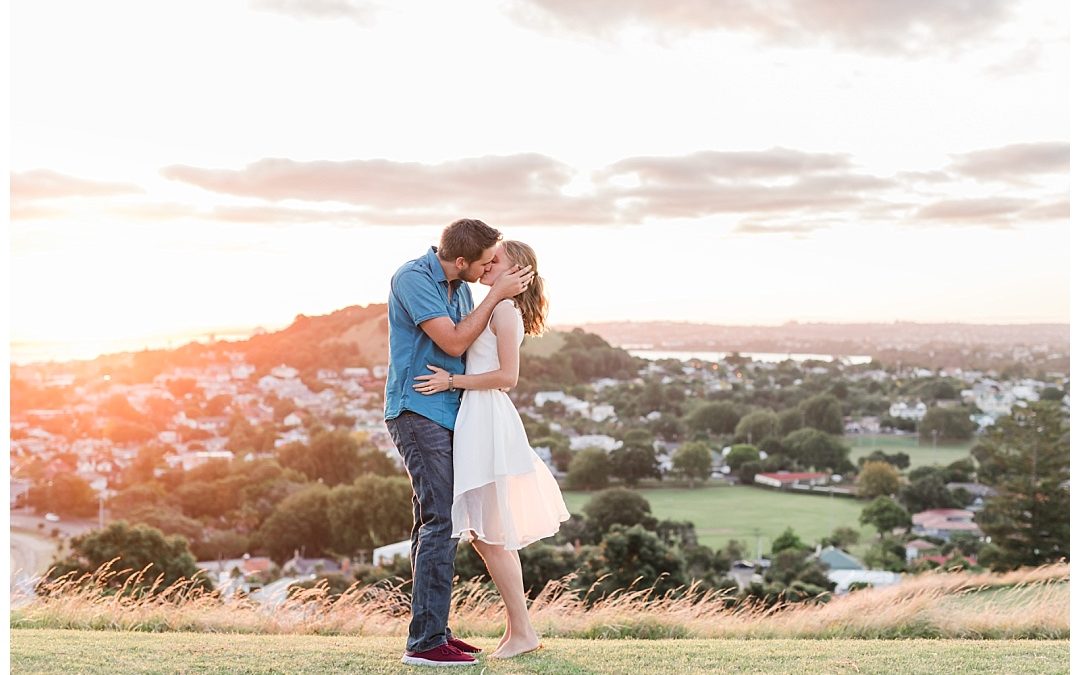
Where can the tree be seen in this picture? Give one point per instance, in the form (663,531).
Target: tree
(748,470)
(137,547)
(715,418)
(950,424)
(757,426)
(887,553)
(823,413)
(693,461)
(561,455)
(815,448)
(1027,458)
(333,456)
(149,459)
(901,460)
(371,460)
(878,478)
(790,420)
(66,494)
(627,553)
(884,515)
(928,491)
(298,523)
(843,537)
(788,540)
(372,512)
(589,470)
(618,506)
(741,454)
(636,459)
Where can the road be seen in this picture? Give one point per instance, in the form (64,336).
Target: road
(32,549)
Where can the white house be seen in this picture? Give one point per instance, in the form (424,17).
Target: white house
(602,441)
(384,555)
(902,410)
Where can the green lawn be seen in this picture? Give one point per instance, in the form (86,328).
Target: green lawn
(66,651)
(921,455)
(741,512)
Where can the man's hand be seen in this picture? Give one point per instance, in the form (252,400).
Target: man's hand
(513,282)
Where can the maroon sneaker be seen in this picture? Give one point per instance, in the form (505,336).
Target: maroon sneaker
(443,655)
(463,646)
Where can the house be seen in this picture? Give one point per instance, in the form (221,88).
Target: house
(786,479)
(384,555)
(944,523)
(297,566)
(902,410)
(838,559)
(845,578)
(979,494)
(917,547)
(605,443)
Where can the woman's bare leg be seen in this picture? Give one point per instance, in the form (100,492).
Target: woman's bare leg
(505,570)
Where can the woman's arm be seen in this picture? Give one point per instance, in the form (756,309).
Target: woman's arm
(504,322)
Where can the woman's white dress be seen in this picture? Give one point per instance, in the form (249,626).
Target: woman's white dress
(504,494)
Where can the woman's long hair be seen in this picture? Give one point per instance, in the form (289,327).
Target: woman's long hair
(532,303)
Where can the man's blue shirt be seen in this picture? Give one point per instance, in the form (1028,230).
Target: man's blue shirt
(419,291)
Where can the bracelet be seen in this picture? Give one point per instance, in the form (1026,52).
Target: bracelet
(451,381)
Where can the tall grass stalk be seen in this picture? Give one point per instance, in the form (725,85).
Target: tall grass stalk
(1026,603)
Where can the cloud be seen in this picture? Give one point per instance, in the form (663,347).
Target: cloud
(910,27)
(707,183)
(993,211)
(356,10)
(1013,163)
(42,184)
(777,190)
(525,188)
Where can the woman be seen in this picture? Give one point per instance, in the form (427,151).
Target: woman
(504,495)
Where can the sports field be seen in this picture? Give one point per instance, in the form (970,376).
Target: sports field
(743,512)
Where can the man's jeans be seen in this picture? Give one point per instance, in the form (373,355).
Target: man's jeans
(428,452)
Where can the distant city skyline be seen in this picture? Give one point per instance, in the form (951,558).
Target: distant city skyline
(905,164)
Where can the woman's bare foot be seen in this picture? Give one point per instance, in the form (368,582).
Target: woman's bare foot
(517,646)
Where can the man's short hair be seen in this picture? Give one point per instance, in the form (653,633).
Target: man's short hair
(467,238)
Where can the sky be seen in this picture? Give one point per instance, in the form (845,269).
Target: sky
(216,166)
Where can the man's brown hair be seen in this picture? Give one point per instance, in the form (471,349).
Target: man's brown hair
(467,238)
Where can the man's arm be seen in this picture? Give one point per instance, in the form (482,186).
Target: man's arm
(454,339)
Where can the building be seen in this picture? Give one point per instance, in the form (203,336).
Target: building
(838,559)
(903,411)
(384,555)
(786,479)
(944,523)
(917,548)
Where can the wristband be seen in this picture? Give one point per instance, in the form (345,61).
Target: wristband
(451,381)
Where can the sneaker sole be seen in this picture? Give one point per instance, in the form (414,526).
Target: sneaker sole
(413,661)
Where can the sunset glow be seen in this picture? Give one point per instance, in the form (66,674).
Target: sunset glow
(203,167)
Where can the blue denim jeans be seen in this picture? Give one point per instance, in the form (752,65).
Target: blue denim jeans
(428,452)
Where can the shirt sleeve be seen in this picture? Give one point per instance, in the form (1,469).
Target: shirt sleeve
(420,296)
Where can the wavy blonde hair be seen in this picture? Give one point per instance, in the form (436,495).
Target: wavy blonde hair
(532,303)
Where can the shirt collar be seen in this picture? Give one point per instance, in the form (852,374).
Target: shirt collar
(437,271)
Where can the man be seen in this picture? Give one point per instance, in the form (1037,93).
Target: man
(432,321)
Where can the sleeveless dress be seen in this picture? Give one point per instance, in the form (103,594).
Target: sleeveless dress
(504,494)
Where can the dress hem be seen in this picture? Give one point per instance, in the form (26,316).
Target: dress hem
(477,535)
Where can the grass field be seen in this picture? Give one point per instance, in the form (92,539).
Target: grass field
(921,455)
(113,652)
(740,512)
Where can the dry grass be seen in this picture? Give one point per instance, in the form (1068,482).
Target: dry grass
(1027,603)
